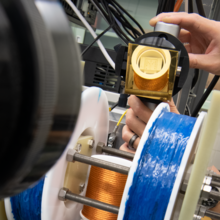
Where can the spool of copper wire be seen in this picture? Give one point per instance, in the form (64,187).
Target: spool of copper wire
(151,68)
(105,186)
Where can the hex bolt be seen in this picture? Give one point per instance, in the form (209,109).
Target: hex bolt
(202,211)
(70,155)
(99,147)
(62,194)
(197,217)
(81,187)
(91,143)
(205,193)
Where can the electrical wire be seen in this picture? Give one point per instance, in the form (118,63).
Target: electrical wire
(143,32)
(190,6)
(205,96)
(102,48)
(165,6)
(122,117)
(195,78)
(177,5)
(100,35)
(115,105)
(115,14)
(200,8)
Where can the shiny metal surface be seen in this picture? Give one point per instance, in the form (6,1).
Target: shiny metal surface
(172,29)
(64,194)
(215,183)
(212,215)
(214,195)
(100,163)
(112,151)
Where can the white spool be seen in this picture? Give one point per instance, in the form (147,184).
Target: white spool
(92,120)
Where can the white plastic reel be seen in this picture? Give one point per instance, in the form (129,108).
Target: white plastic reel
(93,120)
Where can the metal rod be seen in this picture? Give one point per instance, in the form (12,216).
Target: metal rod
(214,195)
(91,202)
(101,163)
(216,177)
(118,153)
(212,215)
(215,183)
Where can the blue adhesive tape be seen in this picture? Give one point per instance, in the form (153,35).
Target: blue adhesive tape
(27,205)
(158,166)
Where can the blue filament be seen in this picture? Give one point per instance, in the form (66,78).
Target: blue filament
(27,205)
(158,167)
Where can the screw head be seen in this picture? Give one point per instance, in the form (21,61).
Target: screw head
(62,194)
(70,155)
(91,143)
(78,147)
(99,147)
(81,187)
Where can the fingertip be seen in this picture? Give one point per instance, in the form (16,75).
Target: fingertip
(153,21)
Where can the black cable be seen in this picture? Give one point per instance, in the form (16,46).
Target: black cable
(122,23)
(106,17)
(204,96)
(195,78)
(142,30)
(169,6)
(115,105)
(112,20)
(135,31)
(200,8)
(112,12)
(161,7)
(100,35)
(106,6)
(190,6)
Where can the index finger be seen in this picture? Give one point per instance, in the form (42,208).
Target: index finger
(190,22)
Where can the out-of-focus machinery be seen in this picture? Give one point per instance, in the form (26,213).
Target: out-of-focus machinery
(44,123)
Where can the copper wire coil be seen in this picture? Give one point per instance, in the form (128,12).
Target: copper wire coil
(152,81)
(105,186)
(151,85)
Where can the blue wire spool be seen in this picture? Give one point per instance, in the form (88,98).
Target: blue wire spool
(156,165)
(27,205)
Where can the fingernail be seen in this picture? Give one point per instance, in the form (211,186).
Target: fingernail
(166,19)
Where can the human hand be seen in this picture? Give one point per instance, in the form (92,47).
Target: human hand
(136,119)
(200,36)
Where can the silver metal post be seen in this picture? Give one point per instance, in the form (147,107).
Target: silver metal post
(212,215)
(215,183)
(215,177)
(65,194)
(214,195)
(102,148)
(73,156)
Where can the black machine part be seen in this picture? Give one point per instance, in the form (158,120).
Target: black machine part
(161,40)
(40,90)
